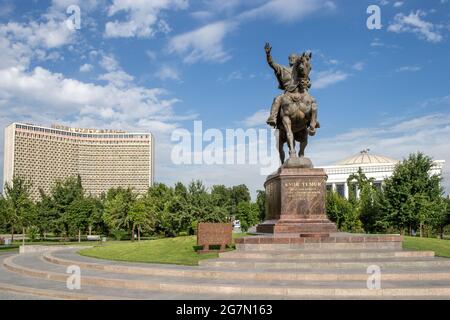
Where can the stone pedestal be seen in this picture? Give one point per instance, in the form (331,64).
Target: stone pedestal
(295,203)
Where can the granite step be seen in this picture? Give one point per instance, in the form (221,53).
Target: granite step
(319,246)
(236,288)
(19,286)
(68,258)
(320,264)
(325,255)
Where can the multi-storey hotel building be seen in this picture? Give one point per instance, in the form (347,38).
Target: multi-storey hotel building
(102,158)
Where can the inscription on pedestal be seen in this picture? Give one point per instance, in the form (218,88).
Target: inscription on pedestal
(295,202)
(302,196)
(302,190)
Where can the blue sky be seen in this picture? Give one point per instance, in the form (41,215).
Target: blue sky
(159,65)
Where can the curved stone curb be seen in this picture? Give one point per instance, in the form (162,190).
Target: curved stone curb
(54,294)
(236,275)
(40,248)
(244,290)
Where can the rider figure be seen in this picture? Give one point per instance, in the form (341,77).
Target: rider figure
(284,77)
(294,86)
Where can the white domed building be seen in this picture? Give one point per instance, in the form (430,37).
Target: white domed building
(374,166)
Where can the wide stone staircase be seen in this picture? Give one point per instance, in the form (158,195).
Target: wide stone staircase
(332,269)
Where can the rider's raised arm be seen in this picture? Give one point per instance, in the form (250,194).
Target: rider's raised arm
(270,61)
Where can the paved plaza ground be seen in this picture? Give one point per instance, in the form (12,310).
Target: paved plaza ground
(335,271)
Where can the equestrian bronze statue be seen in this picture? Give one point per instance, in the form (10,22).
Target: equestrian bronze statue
(293,113)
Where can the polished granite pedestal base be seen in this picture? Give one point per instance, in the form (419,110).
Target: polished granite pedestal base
(295,199)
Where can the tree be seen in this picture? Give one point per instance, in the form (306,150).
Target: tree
(3,214)
(261,202)
(248,214)
(19,208)
(439,219)
(63,193)
(368,204)
(160,195)
(412,197)
(80,214)
(95,221)
(239,194)
(47,215)
(180,190)
(117,206)
(343,213)
(141,215)
(221,196)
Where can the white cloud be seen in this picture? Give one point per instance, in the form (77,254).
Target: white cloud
(414,23)
(86,68)
(287,10)
(114,75)
(359,66)
(151,54)
(327,78)
(109,63)
(6,9)
(257,119)
(142,17)
(57,94)
(437,101)
(408,69)
(204,43)
(398,4)
(377,43)
(167,72)
(85,5)
(52,33)
(118,78)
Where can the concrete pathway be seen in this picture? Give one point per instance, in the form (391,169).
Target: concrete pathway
(289,274)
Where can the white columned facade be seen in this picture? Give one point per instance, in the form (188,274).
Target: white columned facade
(374,166)
(346,190)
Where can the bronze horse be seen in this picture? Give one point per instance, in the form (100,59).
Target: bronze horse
(298,113)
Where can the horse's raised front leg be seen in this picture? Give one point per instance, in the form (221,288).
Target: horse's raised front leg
(289,135)
(303,143)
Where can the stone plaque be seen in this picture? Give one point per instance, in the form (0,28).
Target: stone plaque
(209,234)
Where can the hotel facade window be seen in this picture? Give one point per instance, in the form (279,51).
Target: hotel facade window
(102,159)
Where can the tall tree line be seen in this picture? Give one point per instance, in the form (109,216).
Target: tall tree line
(68,211)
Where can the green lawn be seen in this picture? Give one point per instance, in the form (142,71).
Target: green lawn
(440,247)
(178,250)
(8,248)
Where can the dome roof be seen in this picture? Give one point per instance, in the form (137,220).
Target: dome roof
(364,157)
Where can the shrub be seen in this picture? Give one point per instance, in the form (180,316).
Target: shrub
(119,234)
(33,233)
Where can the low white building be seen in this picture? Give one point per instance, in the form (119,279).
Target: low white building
(374,166)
